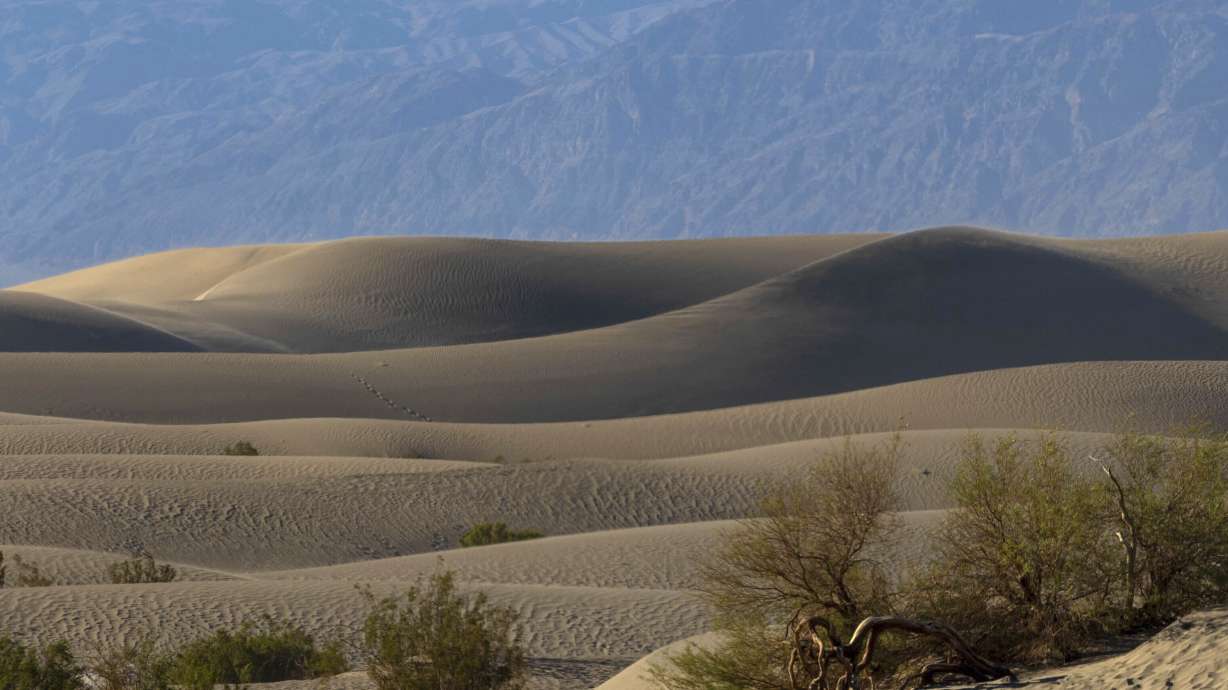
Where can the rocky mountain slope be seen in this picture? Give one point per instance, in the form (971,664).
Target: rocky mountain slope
(128,127)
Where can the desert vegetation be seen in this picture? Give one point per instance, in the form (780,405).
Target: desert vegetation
(267,651)
(241,448)
(50,668)
(430,637)
(263,652)
(24,574)
(141,569)
(436,638)
(1045,553)
(487,533)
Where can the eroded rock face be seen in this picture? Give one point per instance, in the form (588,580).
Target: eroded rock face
(134,126)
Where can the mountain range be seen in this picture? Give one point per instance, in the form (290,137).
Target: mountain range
(133,126)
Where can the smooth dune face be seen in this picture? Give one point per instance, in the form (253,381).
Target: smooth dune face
(380,293)
(632,401)
(31,322)
(166,277)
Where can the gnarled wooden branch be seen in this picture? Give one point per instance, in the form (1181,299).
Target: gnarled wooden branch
(1129,536)
(855,656)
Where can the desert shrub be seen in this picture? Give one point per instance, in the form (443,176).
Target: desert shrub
(1044,554)
(3,571)
(52,668)
(28,574)
(133,666)
(141,569)
(1169,505)
(1023,564)
(817,549)
(241,448)
(486,533)
(265,653)
(433,637)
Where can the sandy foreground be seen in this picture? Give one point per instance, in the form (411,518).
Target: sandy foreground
(632,401)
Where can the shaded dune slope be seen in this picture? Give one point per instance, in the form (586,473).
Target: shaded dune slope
(31,322)
(162,389)
(907,308)
(379,293)
(1107,396)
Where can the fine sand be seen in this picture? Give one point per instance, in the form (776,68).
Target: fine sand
(632,401)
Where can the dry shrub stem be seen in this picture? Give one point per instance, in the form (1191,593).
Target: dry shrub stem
(817,645)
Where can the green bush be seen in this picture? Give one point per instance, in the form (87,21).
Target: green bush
(1044,554)
(141,570)
(1169,503)
(243,448)
(435,638)
(265,653)
(487,533)
(133,666)
(52,668)
(818,548)
(1024,563)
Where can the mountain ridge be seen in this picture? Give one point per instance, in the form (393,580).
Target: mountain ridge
(616,120)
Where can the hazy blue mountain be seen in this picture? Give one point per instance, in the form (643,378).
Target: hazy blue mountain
(134,125)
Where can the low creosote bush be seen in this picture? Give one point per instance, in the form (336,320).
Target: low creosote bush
(265,653)
(1025,562)
(27,575)
(487,533)
(435,638)
(133,666)
(242,448)
(141,570)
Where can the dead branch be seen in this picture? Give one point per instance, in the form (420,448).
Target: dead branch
(1130,537)
(815,652)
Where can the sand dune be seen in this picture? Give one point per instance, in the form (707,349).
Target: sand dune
(31,323)
(903,309)
(274,524)
(777,433)
(173,276)
(254,514)
(637,676)
(1188,654)
(79,567)
(632,401)
(659,557)
(165,389)
(378,293)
